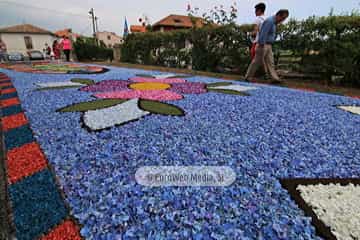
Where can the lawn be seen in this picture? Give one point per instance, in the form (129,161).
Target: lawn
(94,134)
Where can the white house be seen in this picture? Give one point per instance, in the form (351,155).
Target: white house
(26,37)
(109,38)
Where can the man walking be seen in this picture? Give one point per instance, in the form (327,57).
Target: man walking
(264,54)
(260,18)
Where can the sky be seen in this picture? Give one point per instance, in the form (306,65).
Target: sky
(60,14)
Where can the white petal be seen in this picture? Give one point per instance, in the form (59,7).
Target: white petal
(109,117)
(352,109)
(59,84)
(238,88)
(336,206)
(164,76)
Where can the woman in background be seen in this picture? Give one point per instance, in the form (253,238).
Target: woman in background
(66,47)
(3,51)
(56,49)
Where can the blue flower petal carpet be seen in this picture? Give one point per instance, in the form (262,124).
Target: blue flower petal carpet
(81,179)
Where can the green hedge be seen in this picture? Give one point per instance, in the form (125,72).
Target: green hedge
(151,48)
(88,49)
(210,49)
(325,45)
(216,49)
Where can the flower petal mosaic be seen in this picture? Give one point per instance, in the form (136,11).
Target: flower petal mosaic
(351,109)
(109,117)
(139,97)
(72,154)
(47,67)
(336,206)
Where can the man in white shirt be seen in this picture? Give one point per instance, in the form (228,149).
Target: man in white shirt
(260,18)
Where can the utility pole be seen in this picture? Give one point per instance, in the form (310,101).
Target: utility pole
(92,14)
(96,24)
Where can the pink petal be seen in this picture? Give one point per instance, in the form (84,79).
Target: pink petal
(156,95)
(189,88)
(167,80)
(107,86)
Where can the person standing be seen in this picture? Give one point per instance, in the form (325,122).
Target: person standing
(260,18)
(264,53)
(56,49)
(67,47)
(3,51)
(47,51)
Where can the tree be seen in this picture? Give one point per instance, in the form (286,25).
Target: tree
(217,15)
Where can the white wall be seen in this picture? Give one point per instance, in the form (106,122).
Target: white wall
(15,41)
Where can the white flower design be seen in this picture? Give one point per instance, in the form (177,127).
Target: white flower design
(352,109)
(337,206)
(59,84)
(238,88)
(108,117)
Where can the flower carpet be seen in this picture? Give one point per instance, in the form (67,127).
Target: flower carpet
(37,204)
(74,144)
(54,68)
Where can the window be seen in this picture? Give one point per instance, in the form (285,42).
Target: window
(28,42)
(109,37)
(177,21)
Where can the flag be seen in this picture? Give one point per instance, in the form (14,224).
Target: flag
(126,28)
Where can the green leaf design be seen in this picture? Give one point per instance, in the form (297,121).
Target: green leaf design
(219,84)
(93,105)
(181,76)
(228,91)
(83,81)
(57,88)
(160,108)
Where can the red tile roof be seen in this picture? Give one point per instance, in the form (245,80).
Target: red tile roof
(179,21)
(66,32)
(25,28)
(137,28)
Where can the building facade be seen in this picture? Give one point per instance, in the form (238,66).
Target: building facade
(109,38)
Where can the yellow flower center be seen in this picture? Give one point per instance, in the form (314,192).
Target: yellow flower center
(149,86)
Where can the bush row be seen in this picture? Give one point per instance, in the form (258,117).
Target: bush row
(207,48)
(325,45)
(88,49)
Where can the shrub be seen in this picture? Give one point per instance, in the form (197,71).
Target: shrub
(164,49)
(209,48)
(327,45)
(88,49)
(219,48)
